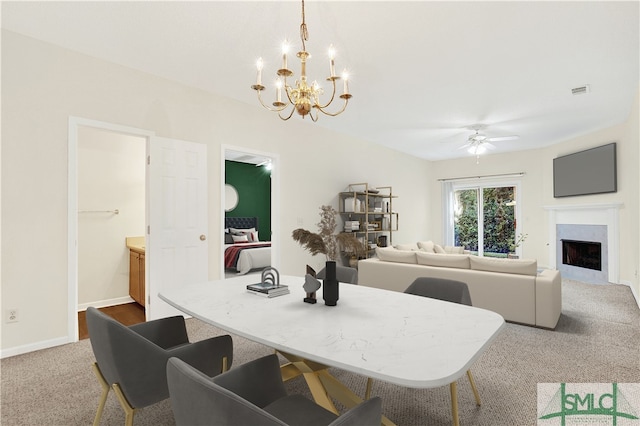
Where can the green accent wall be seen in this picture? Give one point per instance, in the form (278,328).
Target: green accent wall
(254,194)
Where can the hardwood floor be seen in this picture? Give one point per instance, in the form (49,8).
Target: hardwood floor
(127,314)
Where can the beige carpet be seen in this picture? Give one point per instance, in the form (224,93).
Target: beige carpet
(597,340)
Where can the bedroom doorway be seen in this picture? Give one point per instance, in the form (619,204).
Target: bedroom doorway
(249,194)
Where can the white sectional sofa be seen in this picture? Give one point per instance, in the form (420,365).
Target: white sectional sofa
(514,288)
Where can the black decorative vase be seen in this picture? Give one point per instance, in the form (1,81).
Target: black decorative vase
(330,285)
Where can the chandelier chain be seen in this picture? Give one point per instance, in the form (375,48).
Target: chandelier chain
(304,33)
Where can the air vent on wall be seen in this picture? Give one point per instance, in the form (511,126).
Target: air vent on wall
(580,90)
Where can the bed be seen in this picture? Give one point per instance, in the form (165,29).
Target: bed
(244,256)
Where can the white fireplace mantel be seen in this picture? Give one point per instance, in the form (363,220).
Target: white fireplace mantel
(588,214)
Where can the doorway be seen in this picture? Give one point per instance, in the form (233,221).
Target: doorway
(100,218)
(111,208)
(258,160)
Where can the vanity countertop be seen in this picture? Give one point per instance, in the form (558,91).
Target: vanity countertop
(136,244)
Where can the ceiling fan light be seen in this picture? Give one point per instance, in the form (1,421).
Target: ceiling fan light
(477,149)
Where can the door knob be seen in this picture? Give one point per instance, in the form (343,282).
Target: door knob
(203,237)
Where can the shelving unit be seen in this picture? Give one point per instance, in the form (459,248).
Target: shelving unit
(368,213)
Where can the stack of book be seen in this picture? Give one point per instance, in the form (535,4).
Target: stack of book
(351,226)
(267,289)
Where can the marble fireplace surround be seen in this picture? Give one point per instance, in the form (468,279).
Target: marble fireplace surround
(587,214)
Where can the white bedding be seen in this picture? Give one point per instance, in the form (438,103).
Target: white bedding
(259,257)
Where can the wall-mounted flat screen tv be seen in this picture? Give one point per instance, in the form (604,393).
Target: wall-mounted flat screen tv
(592,171)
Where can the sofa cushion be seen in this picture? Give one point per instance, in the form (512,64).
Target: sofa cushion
(454,249)
(507,266)
(406,247)
(389,254)
(438,249)
(460,261)
(427,246)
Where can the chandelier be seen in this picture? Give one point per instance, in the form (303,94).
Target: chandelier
(301,96)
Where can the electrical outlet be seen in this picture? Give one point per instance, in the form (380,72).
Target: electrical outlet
(12,315)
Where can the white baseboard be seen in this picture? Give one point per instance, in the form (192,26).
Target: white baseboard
(105,303)
(45,344)
(633,291)
(19,350)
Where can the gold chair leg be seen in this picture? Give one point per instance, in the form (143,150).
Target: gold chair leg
(129,411)
(367,392)
(225,364)
(454,403)
(105,393)
(473,387)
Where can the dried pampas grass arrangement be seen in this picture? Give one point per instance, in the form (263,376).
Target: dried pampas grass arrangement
(325,241)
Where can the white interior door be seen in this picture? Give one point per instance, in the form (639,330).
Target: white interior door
(176,243)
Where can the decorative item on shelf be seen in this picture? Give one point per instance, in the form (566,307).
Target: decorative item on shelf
(382,241)
(311,285)
(302,97)
(351,226)
(325,241)
(330,285)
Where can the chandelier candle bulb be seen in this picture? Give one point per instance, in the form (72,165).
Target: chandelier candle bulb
(332,65)
(278,90)
(285,49)
(345,77)
(259,66)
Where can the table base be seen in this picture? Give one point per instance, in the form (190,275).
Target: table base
(322,384)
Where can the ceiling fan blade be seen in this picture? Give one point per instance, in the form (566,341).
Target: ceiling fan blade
(466,145)
(489,145)
(503,138)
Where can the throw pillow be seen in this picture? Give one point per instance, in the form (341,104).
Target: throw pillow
(427,246)
(240,238)
(405,247)
(438,249)
(236,231)
(254,237)
(228,239)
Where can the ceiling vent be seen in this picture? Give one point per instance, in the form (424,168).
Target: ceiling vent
(580,90)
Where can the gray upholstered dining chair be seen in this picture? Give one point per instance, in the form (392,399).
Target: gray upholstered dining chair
(133,360)
(252,394)
(449,291)
(344,274)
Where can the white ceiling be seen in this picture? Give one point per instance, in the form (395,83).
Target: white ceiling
(422,73)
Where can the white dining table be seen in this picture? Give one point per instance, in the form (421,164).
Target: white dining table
(403,339)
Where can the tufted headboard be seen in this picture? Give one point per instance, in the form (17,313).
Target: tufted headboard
(241,222)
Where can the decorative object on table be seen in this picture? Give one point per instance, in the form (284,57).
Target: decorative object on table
(303,98)
(330,285)
(326,241)
(311,286)
(513,246)
(269,285)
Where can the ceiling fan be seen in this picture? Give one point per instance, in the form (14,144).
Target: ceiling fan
(478,143)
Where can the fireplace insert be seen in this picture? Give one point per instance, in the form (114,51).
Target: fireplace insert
(582,254)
